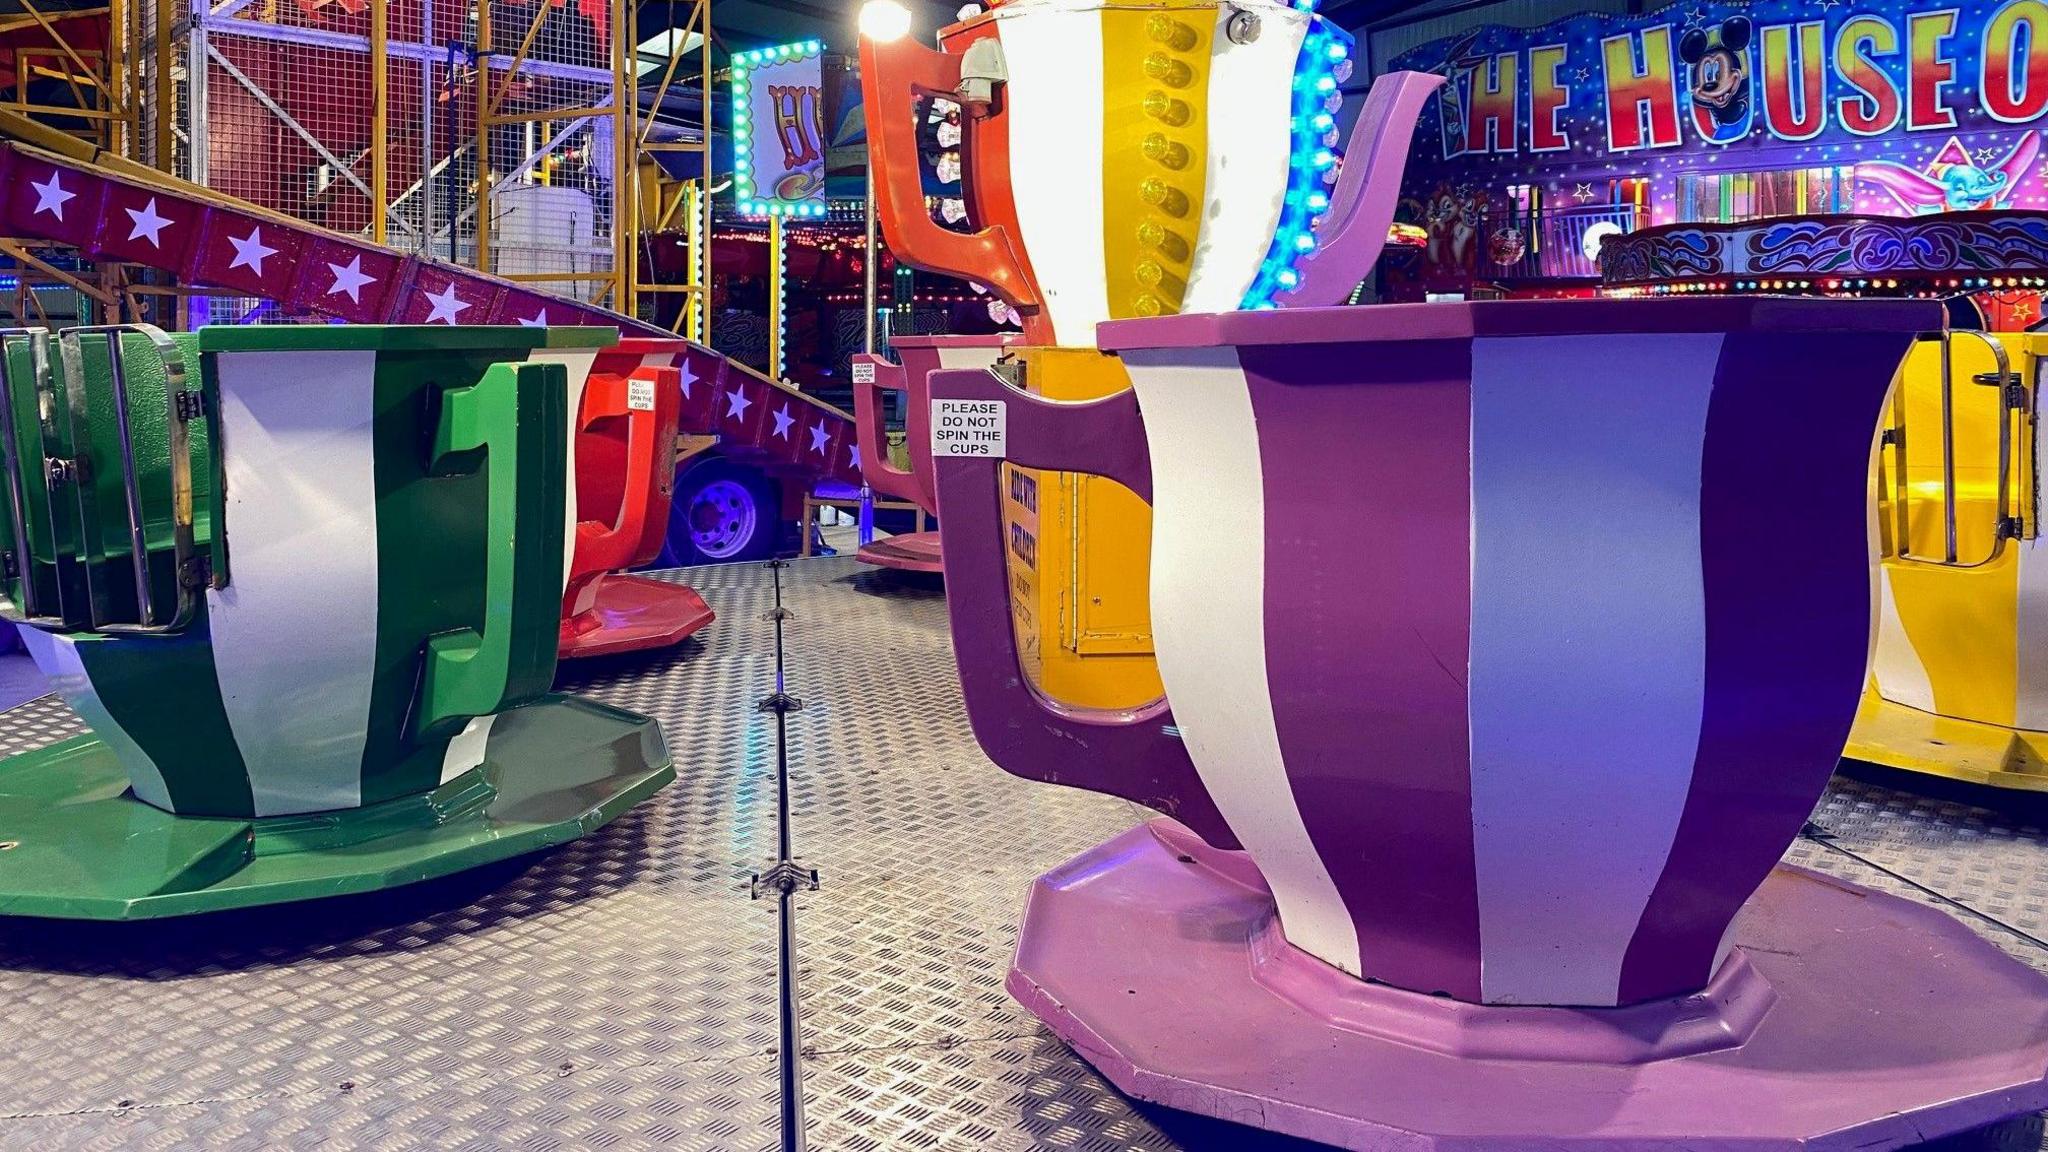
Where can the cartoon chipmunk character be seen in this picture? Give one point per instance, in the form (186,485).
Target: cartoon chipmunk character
(1719,63)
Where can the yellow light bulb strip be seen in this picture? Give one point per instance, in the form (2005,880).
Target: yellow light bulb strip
(1155,151)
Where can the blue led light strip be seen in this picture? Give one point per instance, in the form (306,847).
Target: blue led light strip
(1323,65)
(743,65)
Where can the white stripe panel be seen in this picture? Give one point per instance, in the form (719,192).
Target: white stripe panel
(1251,104)
(1901,676)
(295,630)
(57,658)
(466,751)
(2030,706)
(955,358)
(1055,110)
(1588,658)
(1209,625)
(577,361)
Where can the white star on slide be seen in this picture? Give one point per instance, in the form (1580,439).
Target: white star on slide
(447,306)
(350,278)
(52,197)
(251,251)
(148,224)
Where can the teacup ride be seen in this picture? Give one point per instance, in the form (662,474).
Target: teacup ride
(1129,160)
(872,375)
(304,585)
(623,453)
(1477,769)
(1959,679)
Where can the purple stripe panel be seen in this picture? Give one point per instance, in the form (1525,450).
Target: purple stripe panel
(1368,628)
(1135,753)
(1784,558)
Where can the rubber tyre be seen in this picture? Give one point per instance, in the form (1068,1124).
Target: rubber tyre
(723,513)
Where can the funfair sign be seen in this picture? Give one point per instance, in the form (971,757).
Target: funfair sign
(1934,106)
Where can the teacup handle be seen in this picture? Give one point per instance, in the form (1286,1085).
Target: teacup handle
(1134,753)
(881,475)
(893,74)
(516,418)
(1362,210)
(601,547)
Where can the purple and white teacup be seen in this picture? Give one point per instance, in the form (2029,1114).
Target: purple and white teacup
(1514,642)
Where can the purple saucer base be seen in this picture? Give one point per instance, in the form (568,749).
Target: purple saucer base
(1845,1019)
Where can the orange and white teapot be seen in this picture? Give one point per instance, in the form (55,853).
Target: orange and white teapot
(1126,159)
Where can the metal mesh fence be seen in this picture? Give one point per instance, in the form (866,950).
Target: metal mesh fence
(290,122)
(552,145)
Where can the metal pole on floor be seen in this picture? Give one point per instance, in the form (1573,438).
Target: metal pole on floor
(786,878)
(871,263)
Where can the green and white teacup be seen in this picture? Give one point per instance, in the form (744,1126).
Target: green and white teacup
(376,565)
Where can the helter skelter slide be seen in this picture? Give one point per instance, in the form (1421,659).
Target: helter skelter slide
(631,399)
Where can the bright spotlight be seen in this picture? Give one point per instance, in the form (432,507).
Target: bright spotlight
(884,20)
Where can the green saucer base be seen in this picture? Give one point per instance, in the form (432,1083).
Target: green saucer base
(75,844)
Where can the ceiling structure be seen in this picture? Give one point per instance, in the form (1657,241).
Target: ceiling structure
(739,25)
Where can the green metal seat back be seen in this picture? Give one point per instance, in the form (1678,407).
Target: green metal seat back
(91,476)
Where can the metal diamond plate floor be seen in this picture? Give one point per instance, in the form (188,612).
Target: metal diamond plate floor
(620,993)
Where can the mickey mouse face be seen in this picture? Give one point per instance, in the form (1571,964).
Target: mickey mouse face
(1720,68)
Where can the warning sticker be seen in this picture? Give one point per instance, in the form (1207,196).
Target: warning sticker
(969,427)
(863,372)
(640,395)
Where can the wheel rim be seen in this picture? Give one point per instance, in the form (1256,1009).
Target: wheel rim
(722,519)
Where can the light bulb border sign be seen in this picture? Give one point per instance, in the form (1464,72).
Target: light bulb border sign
(799,65)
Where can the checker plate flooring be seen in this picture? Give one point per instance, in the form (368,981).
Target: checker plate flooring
(621,992)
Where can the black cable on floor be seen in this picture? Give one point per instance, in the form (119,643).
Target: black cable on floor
(1826,839)
(785,878)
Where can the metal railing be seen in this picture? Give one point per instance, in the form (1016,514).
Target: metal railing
(60,455)
(1554,241)
(2017,406)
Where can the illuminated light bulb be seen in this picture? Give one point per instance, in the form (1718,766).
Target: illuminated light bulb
(1303,242)
(1287,278)
(1153,234)
(884,20)
(1164,196)
(1322,122)
(1167,153)
(1336,51)
(1170,32)
(1317,202)
(1167,109)
(1265,306)
(1326,84)
(1323,159)
(1168,71)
